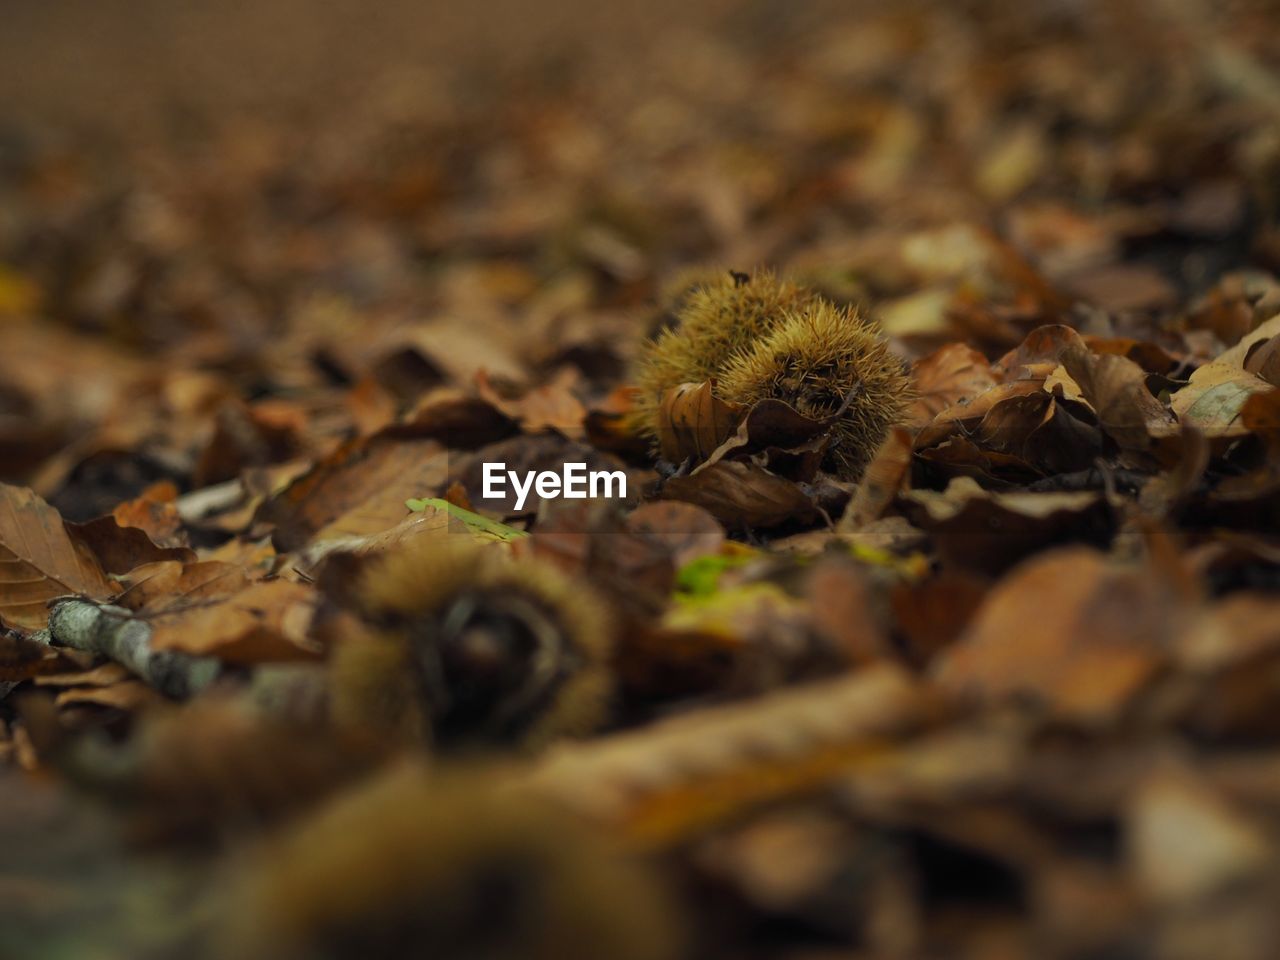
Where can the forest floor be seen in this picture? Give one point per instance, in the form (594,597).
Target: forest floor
(279,679)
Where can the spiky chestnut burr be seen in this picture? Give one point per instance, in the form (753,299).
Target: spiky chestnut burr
(451,866)
(717,314)
(463,645)
(826,361)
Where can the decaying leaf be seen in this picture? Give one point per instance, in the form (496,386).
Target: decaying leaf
(1070,631)
(268,620)
(40,559)
(737,492)
(693,422)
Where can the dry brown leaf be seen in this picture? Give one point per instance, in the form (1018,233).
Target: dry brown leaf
(1042,347)
(952,375)
(1070,630)
(990,531)
(265,621)
(168,581)
(1116,390)
(156,514)
(552,406)
(884,478)
(40,559)
(693,422)
(358,490)
(674,777)
(1217,392)
(741,494)
(1212,402)
(1263,360)
(687,531)
(120,548)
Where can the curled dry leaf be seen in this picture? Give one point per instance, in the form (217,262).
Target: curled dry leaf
(989,532)
(156,514)
(1116,389)
(552,406)
(951,375)
(885,476)
(753,476)
(693,422)
(1040,351)
(40,559)
(120,548)
(1215,396)
(778,429)
(1012,433)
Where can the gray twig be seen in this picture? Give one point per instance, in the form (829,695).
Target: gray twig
(115,633)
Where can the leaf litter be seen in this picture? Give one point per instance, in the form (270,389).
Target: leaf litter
(994,676)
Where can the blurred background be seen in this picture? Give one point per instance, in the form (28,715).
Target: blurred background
(282,198)
(237,235)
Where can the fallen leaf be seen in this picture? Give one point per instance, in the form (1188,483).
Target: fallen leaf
(693,422)
(40,560)
(264,621)
(120,548)
(1185,842)
(882,481)
(1116,390)
(741,494)
(552,406)
(152,585)
(988,531)
(359,489)
(1069,630)
(688,532)
(949,376)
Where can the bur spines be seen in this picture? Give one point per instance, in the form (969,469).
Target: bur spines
(450,865)
(717,314)
(419,599)
(826,360)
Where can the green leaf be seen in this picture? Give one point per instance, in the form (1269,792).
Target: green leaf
(474,521)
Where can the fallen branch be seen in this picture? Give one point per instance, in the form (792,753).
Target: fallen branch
(115,633)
